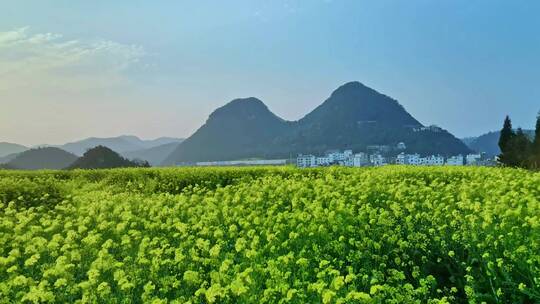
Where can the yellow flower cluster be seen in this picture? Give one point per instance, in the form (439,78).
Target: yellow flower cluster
(270,235)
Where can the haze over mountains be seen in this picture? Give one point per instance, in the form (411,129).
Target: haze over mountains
(120,144)
(154,151)
(10,148)
(353,117)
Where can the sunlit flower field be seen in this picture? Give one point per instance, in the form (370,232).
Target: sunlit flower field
(270,235)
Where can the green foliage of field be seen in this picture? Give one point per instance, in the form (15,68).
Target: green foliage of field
(270,235)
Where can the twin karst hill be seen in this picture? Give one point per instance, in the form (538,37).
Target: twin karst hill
(353,117)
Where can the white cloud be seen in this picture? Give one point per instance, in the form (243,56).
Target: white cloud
(49,61)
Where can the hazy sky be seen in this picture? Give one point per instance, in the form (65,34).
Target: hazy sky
(73,69)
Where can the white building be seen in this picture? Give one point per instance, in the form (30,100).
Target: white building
(360,159)
(408,159)
(323,161)
(400,159)
(456,160)
(432,128)
(336,156)
(432,160)
(412,159)
(345,158)
(473,159)
(348,162)
(401,146)
(306,161)
(377,160)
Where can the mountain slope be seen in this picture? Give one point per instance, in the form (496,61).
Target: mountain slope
(489,142)
(102,157)
(154,155)
(353,117)
(355,103)
(10,148)
(43,158)
(240,129)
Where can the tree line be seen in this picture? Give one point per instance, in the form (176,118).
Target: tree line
(518,149)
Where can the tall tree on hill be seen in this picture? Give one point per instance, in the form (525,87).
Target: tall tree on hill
(505,141)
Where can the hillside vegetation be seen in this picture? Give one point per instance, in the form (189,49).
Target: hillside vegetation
(101,157)
(270,235)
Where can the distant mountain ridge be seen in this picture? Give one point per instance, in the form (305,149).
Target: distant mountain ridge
(489,142)
(132,147)
(42,158)
(10,148)
(154,155)
(353,117)
(120,144)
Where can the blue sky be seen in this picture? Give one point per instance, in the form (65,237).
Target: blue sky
(72,69)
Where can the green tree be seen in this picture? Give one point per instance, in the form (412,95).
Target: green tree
(535,150)
(520,149)
(505,141)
